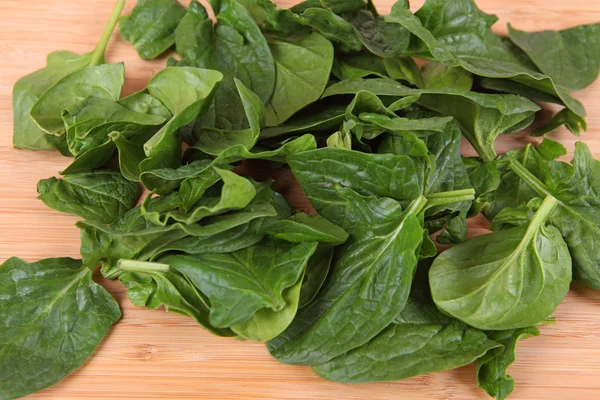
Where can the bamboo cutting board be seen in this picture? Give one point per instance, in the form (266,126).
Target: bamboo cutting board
(152,354)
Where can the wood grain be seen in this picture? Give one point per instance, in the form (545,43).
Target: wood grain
(152,354)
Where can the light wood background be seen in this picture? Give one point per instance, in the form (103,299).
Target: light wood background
(152,354)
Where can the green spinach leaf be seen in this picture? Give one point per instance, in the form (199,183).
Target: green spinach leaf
(505,280)
(28,90)
(101,196)
(185,92)
(151,26)
(491,368)
(52,318)
(570,57)
(457,33)
(239,284)
(482,117)
(421,340)
(302,68)
(368,286)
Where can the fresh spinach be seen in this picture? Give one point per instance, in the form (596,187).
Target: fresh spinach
(101,196)
(482,117)
(491,368)
(302,73)
(151,26)
(420,340)
(28,90)
(50,335)
(505,280)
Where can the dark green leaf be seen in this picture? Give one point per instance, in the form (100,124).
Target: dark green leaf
(505,280)
(317,270)
(151,26)
(165,180)
(421,340)
(52,318)
(303,67)
(101,196)
(570,57)
(573,122)
(186,92)
(239,284)
(457,34)
(482,117)
(168,289)
(304,228)
(368,286)
(102,81)
(380,37)
(213,141)
(492,367)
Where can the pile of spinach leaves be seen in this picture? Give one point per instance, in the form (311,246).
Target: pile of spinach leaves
(327,89)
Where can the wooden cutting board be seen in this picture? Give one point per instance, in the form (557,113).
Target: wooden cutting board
(152,354)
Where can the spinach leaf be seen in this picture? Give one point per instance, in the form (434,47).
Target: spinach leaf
(368,286)
(485,179)
(446,173)
(103,81)
(317,269)
(575,187)
(573,122)
(90,121)
(235,47)
(133,237)
(237,192)
(440,76)
(382,38)
(239,284)
(154,285)
(266,323)
(165,180)
(457,33)
(491,368)
(404,68)
(343,6)
(323,117)
(505,280)
(482,117)
(101,196)
(420,340)
(151,26)
(214,141)
(302,69)
(334,28)
(28,90)
(304,228)
(93,124)
(358,65)
(186,92)
(321,173)
(573,62)
(52,318)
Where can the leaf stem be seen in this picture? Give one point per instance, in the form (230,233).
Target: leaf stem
(455,196)
(529,178)
(142,266)
(98,54)
(539,218)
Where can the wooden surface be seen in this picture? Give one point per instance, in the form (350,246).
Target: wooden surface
(152,354)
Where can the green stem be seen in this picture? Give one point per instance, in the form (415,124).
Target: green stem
(456,196)
(529,178)
(98,54)
(539,218)
(417,205)
(142,266)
